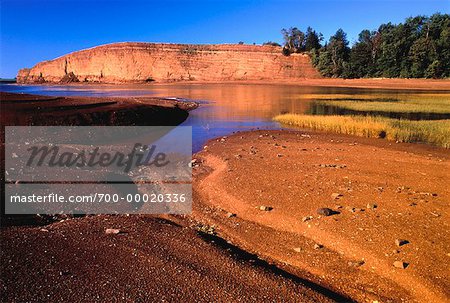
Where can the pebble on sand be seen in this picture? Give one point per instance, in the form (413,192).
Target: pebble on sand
(401,242)
(112,231)
(231,215)
(318,246)
(400,264)
(371,206)
(307,218)
(356,263)
(265,208)
(325,211)
(336,196)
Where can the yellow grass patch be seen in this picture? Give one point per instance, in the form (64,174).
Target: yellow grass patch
(435,132)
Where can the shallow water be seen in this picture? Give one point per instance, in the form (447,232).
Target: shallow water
(225,108)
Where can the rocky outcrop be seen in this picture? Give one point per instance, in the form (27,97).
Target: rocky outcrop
(145,62)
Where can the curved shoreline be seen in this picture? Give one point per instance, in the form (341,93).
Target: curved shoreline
(352,259)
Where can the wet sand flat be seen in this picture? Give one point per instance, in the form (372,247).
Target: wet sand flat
(383,235)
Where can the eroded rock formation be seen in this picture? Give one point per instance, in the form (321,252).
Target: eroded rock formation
(145,62)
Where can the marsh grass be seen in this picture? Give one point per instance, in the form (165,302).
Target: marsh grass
(395,103)
(423,106)
(435,132)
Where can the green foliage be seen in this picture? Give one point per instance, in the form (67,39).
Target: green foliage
(419,47)
(313,39)
(296,41)
(271,43)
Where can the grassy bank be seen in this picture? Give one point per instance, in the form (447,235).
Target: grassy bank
(396,103)
(436,132)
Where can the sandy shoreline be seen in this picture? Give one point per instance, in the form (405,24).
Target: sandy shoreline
(297,173)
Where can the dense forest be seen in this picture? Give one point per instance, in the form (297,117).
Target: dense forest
(417,48)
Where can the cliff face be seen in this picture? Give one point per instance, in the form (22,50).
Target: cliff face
(140,62)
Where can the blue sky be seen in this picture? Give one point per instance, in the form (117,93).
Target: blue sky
(32,30)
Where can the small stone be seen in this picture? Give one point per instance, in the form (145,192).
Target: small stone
(336,196)
(371,206)
(112,231)
(325,211)
(44,230)
(279,155)
(400,264)
(298,249)
(304,219)
(356,263)
(318,246)
(350,209)
(401,242)
(231,215)
(193,163)
(265,208)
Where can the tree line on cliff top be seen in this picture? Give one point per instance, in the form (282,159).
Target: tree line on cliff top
(417,48)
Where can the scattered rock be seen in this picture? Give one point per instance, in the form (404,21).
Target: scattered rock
(298,249)
(318,246)
(350,209)
(279,155)
(64,273)
(265,208)
(401,242)
(304,219)
(356,263)
(194,163)
(205,228)
(231,215)
(333,165)
(325,211)
(336,196)
(401,264)
(371,206)
(112,231)
(44,230)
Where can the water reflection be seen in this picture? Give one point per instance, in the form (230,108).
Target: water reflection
(226,108)
(323,109)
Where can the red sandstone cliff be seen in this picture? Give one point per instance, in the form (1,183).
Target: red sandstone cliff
(138,62)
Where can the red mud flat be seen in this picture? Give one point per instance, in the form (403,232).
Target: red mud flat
(148,260)
(385,236)
(24,109)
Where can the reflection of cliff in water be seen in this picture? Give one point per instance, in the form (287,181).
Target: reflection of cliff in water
(322,109)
